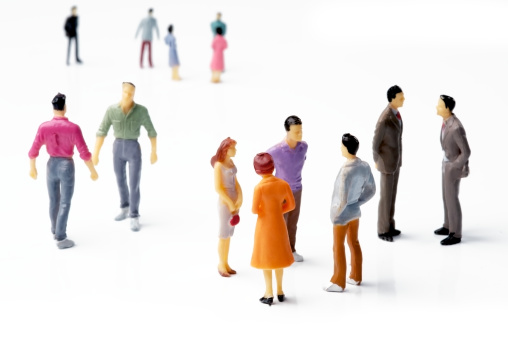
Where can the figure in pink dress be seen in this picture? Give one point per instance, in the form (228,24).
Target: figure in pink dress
(218,45)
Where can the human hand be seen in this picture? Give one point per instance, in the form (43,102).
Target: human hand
(95,159)
(94,176)
(33,173)
(153,158)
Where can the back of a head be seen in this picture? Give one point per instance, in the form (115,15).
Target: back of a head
(351,143)
(263,163)
(170,29)
(218,30)
(58,102)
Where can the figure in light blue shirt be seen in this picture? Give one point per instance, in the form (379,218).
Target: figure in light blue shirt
(174,63)
(146,26)
(218,23)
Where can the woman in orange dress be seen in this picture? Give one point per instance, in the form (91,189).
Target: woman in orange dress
(272,198)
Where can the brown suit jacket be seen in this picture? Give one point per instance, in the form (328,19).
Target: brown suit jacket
(387,142)
(455,146)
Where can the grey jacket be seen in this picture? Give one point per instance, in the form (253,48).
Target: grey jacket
(455,146)
(387,142)
(354,186)
(147,25)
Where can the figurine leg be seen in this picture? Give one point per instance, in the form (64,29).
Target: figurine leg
(175,76)
(61,189)
(386,209)
(356,251)
(149,43)
(267,273)
(228,268)
(278,277)
(222,249)
(68,50)
(339,255)
(134,159)
(77,52)
(451,200)
(291,219)
(215,76)
(119,165)
(142,53)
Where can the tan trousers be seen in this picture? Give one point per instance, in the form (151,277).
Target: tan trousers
(339,253)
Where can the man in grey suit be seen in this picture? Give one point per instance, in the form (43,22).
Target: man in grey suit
(455,166)
(387,151)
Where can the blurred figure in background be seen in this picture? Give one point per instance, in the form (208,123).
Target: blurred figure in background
(174,63)
(71,31)
(146,26)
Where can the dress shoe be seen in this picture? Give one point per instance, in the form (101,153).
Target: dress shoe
(450,240)
(281,298)
(386,237)
(442,231)
(224,274)
(394,232)
(353,282)
(232,272)
(266,300)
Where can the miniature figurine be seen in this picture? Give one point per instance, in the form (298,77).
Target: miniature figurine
(218,24)
(60,136)
(272,198)
(387,151)
(289,156)
(230,199)
(353,187)
(127,118)
(174,63)
(71,31)
(218,46)
(146,26)
(455,166)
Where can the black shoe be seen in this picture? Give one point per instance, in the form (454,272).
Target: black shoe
(281,298)
(79,61)
(265,300)
(394,232)
(442,231)
(450,240)
(386,237)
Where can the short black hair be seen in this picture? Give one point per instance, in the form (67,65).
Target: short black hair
(392,92)
(449,102)
(351,143)
(218,30)
(150,10)
(170,28)
(58,102)
(292,120)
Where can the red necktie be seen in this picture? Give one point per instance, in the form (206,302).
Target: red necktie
(398,116)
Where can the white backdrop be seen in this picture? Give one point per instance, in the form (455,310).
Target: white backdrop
(330,63)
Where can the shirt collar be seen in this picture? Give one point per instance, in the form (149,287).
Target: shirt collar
(60,117)
(285,146)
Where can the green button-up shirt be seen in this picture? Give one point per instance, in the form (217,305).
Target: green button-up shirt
(126,126)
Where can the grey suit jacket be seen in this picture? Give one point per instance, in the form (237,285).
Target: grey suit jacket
(455,146)
(387,142)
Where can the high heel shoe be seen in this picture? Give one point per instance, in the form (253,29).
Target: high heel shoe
(281,298)
(224,274)
(266,300)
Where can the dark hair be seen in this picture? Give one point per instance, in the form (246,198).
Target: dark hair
(58,102)
(222,151)
(150,11)
(392,92)
(129,83)
(351,143)
(218,30)
(292,120)
(263,163)
(449,102)
(170,28)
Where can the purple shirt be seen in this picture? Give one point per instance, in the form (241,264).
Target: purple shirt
(289,162)
(59,135)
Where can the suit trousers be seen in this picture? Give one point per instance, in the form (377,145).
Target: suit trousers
(69,48)
(339,253)
(291,219)
(386,209)
(452,210)
(143,44)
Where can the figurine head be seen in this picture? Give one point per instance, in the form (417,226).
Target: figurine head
(170,29)
(395,97)
(293,126)
(128,90)
(219,15)
(74,10)
(350,145)
(445,106)
(59,103)
(263,163)
(226,149)
(218,30)
(150,11)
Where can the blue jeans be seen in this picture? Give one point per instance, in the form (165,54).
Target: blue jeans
(60,180)
(128,151)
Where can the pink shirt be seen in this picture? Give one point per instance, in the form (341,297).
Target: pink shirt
(59,135)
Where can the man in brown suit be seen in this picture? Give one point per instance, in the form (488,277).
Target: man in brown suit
(387,151)
(455,166)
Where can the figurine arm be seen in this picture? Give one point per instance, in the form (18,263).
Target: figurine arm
(139,28)
(33,169)
(289,201)
(460,138)
(219,188)
(369,189)
(156,29)
(256,200)
(98,145)
(153,156)
(339,197)
(93,172)
(239,199)
(379,133)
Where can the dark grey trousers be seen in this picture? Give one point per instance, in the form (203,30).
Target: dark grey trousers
(128,151)
(386,209)
(452,210)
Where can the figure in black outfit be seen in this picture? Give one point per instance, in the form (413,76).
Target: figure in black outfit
(71,30)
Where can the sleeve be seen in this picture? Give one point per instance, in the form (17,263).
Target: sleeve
(339,197)
(369,188)
(147,123)
(139,28)
(36,146)
(81,145)
(224,32)
(105,125)
(156,28)
(256,200)
(460,138)
(379,133)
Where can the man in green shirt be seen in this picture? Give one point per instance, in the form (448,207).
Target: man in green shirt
(127,118)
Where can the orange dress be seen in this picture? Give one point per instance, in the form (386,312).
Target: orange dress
(272,198)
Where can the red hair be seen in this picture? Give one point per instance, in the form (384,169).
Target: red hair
(263,163)
(222,151)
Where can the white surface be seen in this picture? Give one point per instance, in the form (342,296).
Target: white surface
(330,63)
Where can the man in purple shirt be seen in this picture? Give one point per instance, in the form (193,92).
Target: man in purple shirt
(289,157)
(60,136)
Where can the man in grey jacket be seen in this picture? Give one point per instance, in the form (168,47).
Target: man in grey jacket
(146,26)
(455,166)
(387,151)
(354,186)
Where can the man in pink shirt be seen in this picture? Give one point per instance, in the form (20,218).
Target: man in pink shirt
(60,136)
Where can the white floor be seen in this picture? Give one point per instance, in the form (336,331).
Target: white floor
(330,63)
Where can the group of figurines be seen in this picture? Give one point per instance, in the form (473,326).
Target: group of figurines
(146,28)
(277,198)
